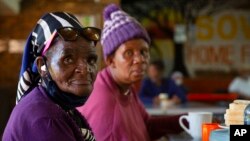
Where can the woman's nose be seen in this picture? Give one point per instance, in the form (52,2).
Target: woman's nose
(81,66)
(84,67)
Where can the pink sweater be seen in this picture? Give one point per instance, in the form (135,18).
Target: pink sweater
(116,117)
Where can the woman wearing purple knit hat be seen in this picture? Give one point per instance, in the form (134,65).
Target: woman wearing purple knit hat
(113,109)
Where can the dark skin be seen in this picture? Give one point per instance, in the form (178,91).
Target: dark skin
(72,65)
(129,63)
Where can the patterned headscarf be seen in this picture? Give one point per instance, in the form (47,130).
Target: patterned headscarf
(42,32)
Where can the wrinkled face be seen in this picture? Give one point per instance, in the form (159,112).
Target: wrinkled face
(130,61)
(154,74)
(72,65)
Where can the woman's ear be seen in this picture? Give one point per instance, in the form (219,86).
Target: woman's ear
(40,65)
(109,61)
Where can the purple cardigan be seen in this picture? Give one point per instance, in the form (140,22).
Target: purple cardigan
(116,117)
(37,118)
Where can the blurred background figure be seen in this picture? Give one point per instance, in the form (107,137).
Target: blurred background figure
(156,83)
(241,84)
(178,77)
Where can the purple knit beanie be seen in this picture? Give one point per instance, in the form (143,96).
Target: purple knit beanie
(118,28)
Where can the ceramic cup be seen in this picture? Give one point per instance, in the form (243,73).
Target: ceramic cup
(195,121)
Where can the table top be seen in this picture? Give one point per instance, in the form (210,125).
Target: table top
(188,107)
(215,135)
(181,137)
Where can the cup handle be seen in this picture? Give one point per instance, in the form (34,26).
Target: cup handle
(183,125)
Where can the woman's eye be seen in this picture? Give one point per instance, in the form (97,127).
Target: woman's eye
(92,60)
(68,60)
(128,53)
(144,53)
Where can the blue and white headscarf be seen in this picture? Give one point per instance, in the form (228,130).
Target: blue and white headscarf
(29,77)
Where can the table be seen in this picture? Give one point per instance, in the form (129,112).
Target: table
(215,135)
(188,107)
(181,137)
(217,110)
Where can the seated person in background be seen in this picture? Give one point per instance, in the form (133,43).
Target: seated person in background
(241,84)
(156,84)
(177,77)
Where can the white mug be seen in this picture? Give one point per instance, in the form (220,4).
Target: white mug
(195,121)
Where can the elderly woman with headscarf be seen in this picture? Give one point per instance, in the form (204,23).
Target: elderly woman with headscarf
(113,109)
(57,74)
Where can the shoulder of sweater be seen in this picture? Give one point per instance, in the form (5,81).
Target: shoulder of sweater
(168,80)
(146,81)
(103,94)
(104,82)
(37,105)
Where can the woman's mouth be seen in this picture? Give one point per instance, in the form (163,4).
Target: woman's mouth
(139,72)
(81,82)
